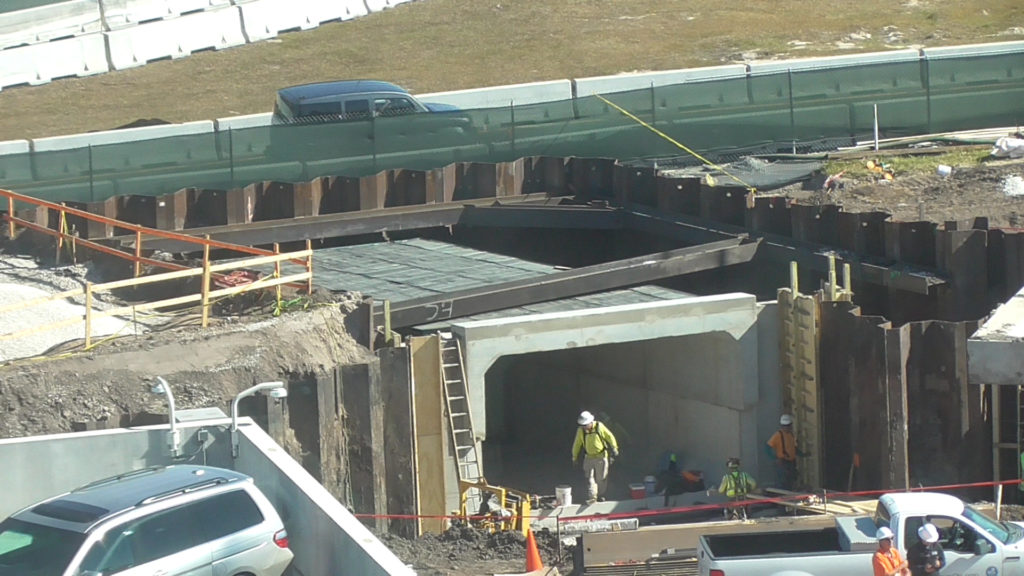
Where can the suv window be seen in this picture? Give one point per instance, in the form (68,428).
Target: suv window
(172,531)
(28,549)
(228,513)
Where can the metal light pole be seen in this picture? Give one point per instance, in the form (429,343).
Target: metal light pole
(173,437)
(277,390)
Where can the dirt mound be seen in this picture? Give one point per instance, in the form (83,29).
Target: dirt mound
(206,367)
(978,191)
(465,550)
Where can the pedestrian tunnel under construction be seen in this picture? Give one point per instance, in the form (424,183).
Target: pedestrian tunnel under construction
(697,376)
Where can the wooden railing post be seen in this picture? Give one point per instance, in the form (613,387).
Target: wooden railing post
(138,252)
(10,218)
(88,314)
(277,274)
(206,284)
(309,266)
(60,235)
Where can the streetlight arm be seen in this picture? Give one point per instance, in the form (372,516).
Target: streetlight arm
(234,408)
(246,393)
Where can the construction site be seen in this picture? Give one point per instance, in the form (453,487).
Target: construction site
(675,257)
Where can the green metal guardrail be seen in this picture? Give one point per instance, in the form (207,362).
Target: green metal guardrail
(803,110)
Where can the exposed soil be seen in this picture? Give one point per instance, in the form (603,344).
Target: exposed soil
(468,551)
(993,190)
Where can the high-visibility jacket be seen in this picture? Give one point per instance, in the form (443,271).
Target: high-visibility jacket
(783,444)
(595,443)
(885,563)
(737,484)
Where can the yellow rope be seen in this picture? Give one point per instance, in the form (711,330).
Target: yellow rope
(710,180)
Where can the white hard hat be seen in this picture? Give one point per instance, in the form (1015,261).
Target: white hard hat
(884,533)
(585,418)
(928,533)
(785,420)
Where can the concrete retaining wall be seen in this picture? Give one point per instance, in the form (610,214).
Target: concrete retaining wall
(324,536)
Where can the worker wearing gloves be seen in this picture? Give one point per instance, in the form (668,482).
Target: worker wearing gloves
(600,449)
(736,485)
(887,561)
(926,556)
(782,447)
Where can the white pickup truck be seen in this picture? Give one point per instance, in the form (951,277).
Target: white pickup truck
(974,543)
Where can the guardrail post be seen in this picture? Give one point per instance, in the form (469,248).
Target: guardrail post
(205,299)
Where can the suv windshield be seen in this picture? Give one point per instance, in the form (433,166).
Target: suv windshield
(35,550)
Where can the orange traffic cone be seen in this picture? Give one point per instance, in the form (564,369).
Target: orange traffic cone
(533,561)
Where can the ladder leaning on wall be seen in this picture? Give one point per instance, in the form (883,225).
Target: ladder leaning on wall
(460,417)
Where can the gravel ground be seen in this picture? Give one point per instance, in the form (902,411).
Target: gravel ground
(23,279)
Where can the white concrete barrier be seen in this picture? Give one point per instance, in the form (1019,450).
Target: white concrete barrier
(494,96)
(182,144)
(624,82)
(240,137)
(262,19)
(40,63)
(15,163)
(973,50)
(178,37)
(46,23)
(378,5)
(76,141)
(341,9)
(826,62)
(121,13)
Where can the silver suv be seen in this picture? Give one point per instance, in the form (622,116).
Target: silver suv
(173,520)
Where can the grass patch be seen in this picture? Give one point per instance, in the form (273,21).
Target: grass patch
(964,157)
(441,45)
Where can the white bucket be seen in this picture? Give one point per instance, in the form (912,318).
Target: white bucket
(943,170)
(563,495)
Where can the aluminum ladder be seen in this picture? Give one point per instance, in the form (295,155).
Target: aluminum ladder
(460,417)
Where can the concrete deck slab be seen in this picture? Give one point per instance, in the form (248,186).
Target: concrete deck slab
(995,353)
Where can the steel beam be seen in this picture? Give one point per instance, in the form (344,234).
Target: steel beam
(542,216)
(341,224)
(783,249)
(568,283)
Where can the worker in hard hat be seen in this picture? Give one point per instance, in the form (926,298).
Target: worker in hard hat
(599,449)
(782,447)
(887,561)
(736,485)
(926,556)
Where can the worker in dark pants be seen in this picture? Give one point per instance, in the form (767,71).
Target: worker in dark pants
(926,557)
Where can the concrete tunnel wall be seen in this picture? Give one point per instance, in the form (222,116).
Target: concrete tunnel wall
(698,376)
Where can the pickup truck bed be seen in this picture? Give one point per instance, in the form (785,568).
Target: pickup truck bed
(754,544)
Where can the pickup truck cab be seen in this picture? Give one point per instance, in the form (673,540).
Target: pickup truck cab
(347,100)
(974,544)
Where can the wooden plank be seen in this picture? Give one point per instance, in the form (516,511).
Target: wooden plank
(431,446)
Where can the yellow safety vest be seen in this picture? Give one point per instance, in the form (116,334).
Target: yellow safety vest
(737,484)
